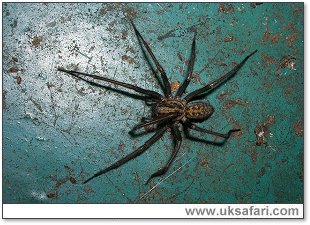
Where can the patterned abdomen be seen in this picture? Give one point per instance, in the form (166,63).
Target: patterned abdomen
(198,111)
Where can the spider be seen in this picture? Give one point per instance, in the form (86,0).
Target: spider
(168,111)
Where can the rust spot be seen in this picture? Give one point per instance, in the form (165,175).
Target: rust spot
(228,104)
(253,71)
(297,11)
(49,85)
(129,12)
(254,4)
(229,39)
(179,68)
(169,34)
(274,38)
(268,36)
(222,95)
(270,119)
(109,7)
(225,8)
(204,163)
(13,70)
(262,130)
(127,58)
(254,155)
(3,99)
(18,80)
(88,189)
(277,73)
(268,60)
(279,16)
(124,35)
(233,21)
(226,92)
(175,85)
(287,62)
(121,146)
(299,128)
(72,180)
(130,49)
(234,84)
(238,133)
(291,26)
(196,78)
(61,182)
(289,90)
(36,41)
(292,37)
(51,195)
(69,170)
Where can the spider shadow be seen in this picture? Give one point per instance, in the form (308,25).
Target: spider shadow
(197,139)
(142,133)
(126,93)
(136,133)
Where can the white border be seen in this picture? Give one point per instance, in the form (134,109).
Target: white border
(75,211)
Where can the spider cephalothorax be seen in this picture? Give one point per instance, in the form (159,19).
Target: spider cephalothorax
(169,112)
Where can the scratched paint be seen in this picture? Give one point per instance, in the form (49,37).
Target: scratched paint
(57,131)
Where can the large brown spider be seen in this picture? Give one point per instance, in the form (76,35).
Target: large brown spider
(168,111)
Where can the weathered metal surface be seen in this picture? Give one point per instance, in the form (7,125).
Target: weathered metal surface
(57,131)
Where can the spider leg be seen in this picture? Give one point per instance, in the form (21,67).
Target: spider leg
(155,120)
(212,85)
(189,71)
(158,66)
(132,155)
(178,140)
(151,94)
(197,128)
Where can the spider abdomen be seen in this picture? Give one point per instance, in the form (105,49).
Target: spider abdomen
(198,111)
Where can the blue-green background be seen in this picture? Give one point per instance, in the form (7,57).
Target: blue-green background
(57,131)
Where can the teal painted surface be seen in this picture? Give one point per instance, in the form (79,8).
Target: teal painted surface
(57,131)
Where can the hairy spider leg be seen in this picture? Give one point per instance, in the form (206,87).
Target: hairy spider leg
(197,128)
(132,155)
(155,120)
(177,140)
(151,94)
(212,85)
(189,70)
(167,89)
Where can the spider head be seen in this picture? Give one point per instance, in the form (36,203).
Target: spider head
(198,111)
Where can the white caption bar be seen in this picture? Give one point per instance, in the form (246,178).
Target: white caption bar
(152,211)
